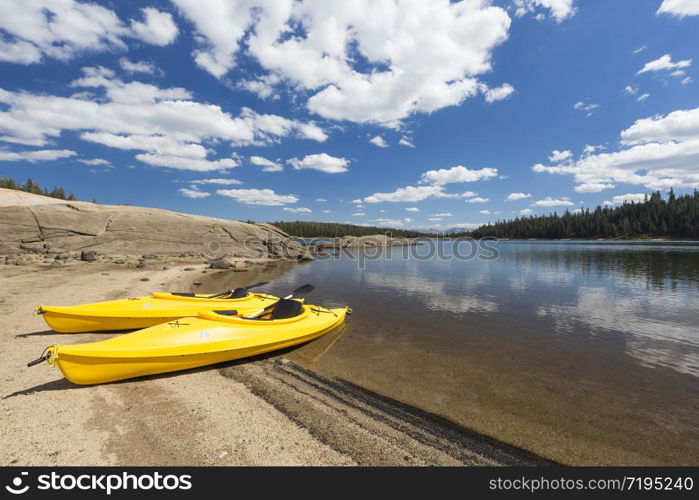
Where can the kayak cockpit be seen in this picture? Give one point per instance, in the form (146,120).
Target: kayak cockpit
(235,294)
(282,311)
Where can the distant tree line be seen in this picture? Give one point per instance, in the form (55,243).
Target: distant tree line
(674,217)
(32,187)
(307,229)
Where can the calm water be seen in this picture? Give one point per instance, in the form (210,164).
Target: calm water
(582,352)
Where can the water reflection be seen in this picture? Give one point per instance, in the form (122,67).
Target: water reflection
(434,295)
(569,341)
(655,326)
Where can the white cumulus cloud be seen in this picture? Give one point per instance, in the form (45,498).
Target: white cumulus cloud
(593,187)
(373,61)
(405,194)
(457,174)
(664,63)
(266,197)
(322,162)
(557,156)
(36,155)
(96,162)
(298,210)
(517,196)
(586,107)
(560,10)
(553,202)
(193,192)
(679,8)
(378,141)
(630,197)
(267,165)
(222,182)
(658,152)
(63,29)
(138,66)
(404,141)
(165,124)
(157,27)
(497,93)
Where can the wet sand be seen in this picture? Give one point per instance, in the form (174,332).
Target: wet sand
(264,411)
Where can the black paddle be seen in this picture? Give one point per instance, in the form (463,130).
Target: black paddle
(302,290)
(254,285)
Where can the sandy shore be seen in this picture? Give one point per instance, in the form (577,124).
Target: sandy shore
(265,411)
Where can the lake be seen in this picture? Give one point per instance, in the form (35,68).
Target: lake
(585,353)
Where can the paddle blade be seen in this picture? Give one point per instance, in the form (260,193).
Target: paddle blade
(303,289)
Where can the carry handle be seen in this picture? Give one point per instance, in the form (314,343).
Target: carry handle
(39,360)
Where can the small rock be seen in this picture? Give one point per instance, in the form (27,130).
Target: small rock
(197,283)
(120,261)
(188,269)
(10,262)
(88,255)
(165,268)
(220,264)
(145,279)
(149,256)
(105,274)
(204,272)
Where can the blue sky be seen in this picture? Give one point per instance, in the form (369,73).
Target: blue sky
(396,113)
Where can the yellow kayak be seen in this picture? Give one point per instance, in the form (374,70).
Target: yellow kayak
(209,338)
(142,312)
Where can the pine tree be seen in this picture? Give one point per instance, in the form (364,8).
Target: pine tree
(676,217)
(32,187)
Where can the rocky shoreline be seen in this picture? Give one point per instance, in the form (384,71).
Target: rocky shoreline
(36,229)
(371,241)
